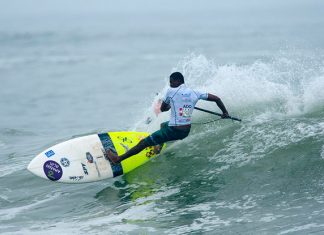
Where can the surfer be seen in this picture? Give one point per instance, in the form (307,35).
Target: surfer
(181,100)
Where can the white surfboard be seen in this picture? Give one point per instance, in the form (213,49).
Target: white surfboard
(82,159)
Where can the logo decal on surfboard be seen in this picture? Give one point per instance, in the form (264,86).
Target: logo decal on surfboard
(65,162)
(53,170)
(89,157)
(84,169)
(76,178)
(50,153)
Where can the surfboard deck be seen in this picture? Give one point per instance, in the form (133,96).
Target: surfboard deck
(82,159)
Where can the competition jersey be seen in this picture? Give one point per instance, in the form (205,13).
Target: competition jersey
(182,101)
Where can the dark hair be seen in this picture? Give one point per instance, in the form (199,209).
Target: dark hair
(177,76)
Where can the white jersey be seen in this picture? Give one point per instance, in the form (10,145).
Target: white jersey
(182,101)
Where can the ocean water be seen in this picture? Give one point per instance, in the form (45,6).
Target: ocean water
(73,68)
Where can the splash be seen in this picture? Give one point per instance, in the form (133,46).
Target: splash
(287,85)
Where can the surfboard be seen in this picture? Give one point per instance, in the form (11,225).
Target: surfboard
(82,159)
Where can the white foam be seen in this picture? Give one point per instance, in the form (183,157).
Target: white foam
(158,195)
(247,202)
(2,144)
(137,211)
(207,224)
(301,228)
(10,213)
(287,85)
(270,217)
(207,221)
(9,169)
(255,140)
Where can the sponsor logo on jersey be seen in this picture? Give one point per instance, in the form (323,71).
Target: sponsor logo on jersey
(185,111)
(186,94)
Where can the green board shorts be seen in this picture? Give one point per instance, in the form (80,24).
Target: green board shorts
(165,134)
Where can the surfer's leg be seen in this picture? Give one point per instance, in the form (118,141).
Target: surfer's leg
(135,150)
(156,139)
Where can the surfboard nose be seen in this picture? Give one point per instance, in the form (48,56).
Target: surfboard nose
(31,165)
(34,168)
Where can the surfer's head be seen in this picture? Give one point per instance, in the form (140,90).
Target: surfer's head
(176,79)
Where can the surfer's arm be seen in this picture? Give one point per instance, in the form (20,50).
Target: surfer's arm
(219,103)
(164,107)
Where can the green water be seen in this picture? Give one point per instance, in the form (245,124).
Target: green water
(72,68)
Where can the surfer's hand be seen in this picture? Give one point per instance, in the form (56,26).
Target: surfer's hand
(225,115)
(157,107)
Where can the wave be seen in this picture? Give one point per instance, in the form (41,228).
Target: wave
(287,85)
(236,173)
(280,102)
(17,61)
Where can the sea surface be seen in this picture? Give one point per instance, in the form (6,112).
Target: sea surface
(73,68)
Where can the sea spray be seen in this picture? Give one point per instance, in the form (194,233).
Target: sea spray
(285,85)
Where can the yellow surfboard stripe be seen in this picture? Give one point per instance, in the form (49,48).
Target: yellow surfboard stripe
(126,140)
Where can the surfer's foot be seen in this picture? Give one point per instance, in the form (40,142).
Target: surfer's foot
(157,148)
(110,155)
